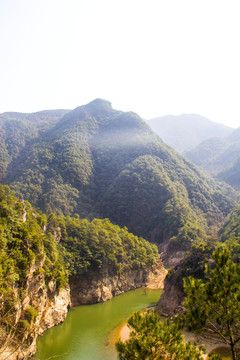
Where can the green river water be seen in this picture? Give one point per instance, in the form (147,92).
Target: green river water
(90,331)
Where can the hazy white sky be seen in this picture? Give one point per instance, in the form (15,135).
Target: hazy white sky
(154,57)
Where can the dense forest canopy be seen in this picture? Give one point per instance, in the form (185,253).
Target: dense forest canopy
(17,131)
(100,162)
(91,174)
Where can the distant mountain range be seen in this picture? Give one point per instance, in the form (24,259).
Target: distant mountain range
(99,162)
(185,132)
(220,157)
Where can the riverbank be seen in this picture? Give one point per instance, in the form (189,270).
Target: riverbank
(155,282)
(210,344)
(87,331)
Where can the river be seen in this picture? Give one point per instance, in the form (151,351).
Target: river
(89,331)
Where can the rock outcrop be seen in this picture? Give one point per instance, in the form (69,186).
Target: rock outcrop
(96,287)
(52,304)
(51,307)
(172,296)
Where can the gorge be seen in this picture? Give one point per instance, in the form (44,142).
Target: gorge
(98,196)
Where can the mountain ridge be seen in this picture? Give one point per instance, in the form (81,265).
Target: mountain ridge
(220,157)
(101,162)
(186,131)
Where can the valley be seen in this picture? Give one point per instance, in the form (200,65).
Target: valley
(94,204)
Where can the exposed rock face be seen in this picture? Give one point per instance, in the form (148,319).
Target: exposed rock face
(94,288)
(156,277)
(171,256)
(172,296)
(51,305)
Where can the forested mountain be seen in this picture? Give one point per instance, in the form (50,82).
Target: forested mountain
(80,168)
(185,132)
(99,162)
(220,157)
(17,130)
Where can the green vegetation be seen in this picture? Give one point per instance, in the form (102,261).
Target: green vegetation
(97,245)
(24,248)
(230,234)
(102,163)
(232,175)
(18,131)
(152,339)
(96,163)
(231,228)
(47,250)
(213,305)
(206,151)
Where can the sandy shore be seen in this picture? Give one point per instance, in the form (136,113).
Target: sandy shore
(156,281)
(208,343)
(124,332)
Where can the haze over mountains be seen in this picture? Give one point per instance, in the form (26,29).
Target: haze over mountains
(220,157)
(91,172)
(99,162)
(185,132)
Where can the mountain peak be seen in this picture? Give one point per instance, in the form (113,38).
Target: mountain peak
(99,105)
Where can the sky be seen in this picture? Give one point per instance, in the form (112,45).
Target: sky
(153,57)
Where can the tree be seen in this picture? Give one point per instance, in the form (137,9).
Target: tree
(154,339)
(213,304)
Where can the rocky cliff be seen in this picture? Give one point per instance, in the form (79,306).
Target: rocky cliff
(193,264)
(51,306)
(38,257)
(96,287)
(172,296)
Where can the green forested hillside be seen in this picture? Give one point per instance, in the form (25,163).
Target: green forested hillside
(99,162)
(231,228)
(41,252)
(92,246)
(195,261)
(17,130)
(232,175)
(26,251)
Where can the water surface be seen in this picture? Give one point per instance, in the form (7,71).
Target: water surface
(86,332)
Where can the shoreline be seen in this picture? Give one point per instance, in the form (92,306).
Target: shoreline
(156,281)
(122,331)
(210,344)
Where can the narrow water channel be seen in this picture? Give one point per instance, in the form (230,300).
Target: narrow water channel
(87,331)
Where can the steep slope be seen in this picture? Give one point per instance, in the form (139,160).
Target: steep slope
(195,261)
(39,254)
(34,292)
(220,157)
(99,162)
(185,132)
(18,129)
(230,231)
